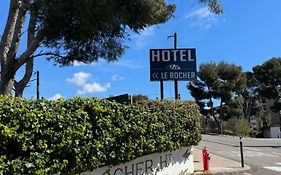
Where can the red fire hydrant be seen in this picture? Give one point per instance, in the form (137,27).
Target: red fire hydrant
(206,157)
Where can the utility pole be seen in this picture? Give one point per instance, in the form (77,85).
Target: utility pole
(37,85)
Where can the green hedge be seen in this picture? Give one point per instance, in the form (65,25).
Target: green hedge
(77,135)
(239,127)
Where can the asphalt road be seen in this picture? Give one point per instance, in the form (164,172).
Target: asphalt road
(263,155)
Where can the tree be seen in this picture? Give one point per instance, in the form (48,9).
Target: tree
(139,98)
(246,103)
(202,90)
(269,77)
(201,95)
(72,30)
(220,82)
(240,127)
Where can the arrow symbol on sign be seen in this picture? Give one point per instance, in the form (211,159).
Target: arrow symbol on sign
(155,75)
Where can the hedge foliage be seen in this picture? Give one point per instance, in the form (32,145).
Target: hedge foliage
(77,135)
(239,127)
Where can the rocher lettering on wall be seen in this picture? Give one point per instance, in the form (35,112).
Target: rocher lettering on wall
(172,64)
(143,167)
(170,162)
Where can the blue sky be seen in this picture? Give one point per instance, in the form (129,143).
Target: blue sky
(247,34)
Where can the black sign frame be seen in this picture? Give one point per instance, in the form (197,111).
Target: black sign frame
(173,64)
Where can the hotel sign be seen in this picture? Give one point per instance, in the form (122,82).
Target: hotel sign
(172,64)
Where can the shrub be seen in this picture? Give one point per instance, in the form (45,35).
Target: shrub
(77,135)
(239,127)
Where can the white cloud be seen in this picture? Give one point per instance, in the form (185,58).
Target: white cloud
(79,78)
(130,65)
(148,31)
(93,88)
(96,63)
(78,63)
(141,39)
(202,17)
(140,44)
(117,77)
(203,12)
(56,96)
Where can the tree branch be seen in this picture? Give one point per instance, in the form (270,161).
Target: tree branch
(47,54)
(20,85)
(18,30)
(25,56)
(7,36)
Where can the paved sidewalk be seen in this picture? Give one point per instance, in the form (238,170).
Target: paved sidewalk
(218,164)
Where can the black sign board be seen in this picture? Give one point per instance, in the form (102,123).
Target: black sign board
(172,64)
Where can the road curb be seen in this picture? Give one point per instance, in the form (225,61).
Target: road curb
(229,144)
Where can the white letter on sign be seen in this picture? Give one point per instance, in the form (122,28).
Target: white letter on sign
(155,56)
(182,55)
(175,54)
(166,55)
(189,56)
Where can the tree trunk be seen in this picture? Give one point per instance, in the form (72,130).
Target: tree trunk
(221,112)
(7,72)
(20,86)
(7,87)
(10,43)
(7,81)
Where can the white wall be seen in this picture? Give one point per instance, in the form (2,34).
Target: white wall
(176,162)
(272,132)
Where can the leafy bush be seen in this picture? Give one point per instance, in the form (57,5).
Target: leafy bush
(239,127)
(77,135)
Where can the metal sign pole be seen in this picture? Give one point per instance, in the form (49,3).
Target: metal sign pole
(176,81)
(161,89)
